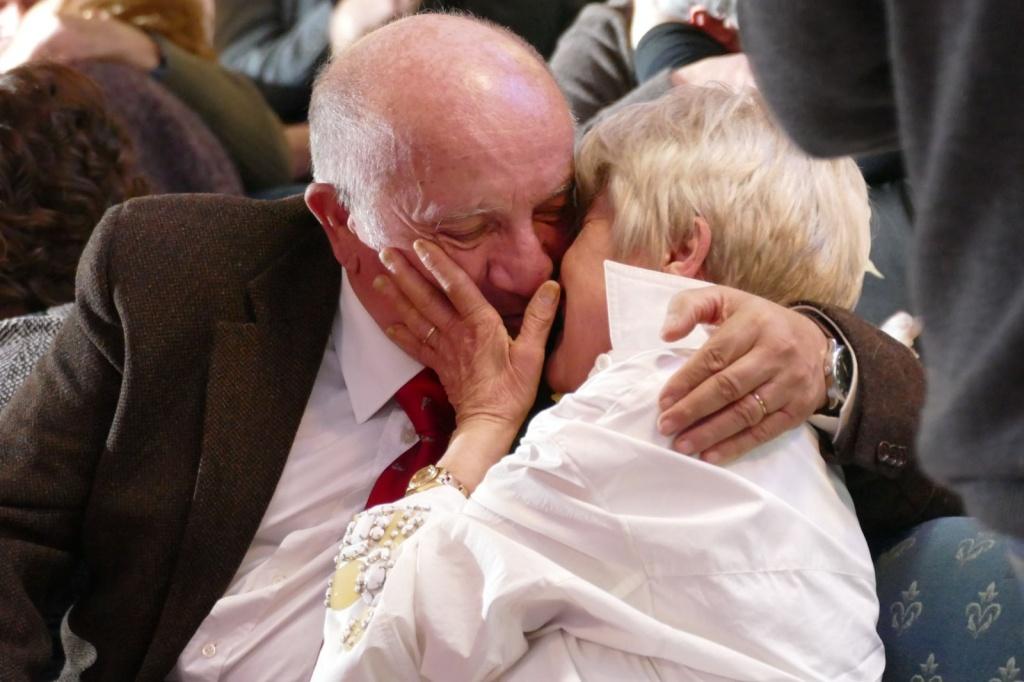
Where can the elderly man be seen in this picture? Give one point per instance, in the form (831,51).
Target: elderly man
(222,399)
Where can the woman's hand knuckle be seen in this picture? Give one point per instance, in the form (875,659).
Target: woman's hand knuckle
(714,359)
(726,387)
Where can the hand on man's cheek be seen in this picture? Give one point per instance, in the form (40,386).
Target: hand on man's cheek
(468,261)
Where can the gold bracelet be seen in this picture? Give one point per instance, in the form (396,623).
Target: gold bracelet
(432,476)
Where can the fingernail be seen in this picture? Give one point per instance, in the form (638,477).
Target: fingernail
(711,457)
(667,402)
(421,250)
(685,446)
(549,293)
(666,426)
(380,282)
(387,259)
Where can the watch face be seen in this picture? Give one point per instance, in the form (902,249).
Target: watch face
(424,475)
(844,371)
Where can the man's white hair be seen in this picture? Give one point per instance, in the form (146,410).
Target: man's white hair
(354,147)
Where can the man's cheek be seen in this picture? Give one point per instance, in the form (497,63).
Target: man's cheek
(472,261)
(555,239)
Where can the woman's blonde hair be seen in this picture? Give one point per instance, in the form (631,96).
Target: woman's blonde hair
(180,21)
(784,226)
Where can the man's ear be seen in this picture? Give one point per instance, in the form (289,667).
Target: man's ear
(323,202)
(687,259)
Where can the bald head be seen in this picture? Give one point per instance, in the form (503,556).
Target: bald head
(423,91)
(419,68)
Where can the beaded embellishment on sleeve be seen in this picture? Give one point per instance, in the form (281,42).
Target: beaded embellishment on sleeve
(366,555)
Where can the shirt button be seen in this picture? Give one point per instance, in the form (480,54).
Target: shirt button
(210,650)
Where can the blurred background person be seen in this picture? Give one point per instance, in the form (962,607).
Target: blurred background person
(598,61)
(63,161)
(164,39)
(280,44)
(938,81)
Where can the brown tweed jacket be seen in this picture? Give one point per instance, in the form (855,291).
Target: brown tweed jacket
(150,440)
(148,443)
(876,446)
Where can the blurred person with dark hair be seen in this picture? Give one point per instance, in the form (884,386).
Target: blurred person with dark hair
(167,40)
(70,147)
(63,161)
(175,149)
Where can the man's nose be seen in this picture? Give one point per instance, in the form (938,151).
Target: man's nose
(519,265)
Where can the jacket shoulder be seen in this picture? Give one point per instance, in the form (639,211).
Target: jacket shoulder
(190,257)
(197,237)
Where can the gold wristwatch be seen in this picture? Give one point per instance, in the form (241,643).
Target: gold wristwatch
(432,476)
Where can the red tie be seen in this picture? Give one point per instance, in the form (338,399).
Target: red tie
(424,401)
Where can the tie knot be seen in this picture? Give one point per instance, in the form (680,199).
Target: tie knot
(424,401)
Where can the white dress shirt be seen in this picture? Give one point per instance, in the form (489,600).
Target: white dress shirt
(595,552)
(267,625)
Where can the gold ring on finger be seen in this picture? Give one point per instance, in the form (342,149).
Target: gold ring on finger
(764,408)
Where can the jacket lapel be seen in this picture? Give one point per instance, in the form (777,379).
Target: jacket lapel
(260,377)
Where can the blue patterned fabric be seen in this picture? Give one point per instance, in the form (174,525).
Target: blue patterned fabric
(952,608)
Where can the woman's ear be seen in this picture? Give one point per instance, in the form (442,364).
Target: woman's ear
(334,217)
(687,259)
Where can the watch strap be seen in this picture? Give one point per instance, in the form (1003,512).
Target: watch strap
(432,476)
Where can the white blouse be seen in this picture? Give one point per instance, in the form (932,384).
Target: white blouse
(595,552)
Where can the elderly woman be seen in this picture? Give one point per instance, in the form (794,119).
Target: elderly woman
(594,551)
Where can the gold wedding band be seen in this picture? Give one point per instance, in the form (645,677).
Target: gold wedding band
(764,408)
(433,330)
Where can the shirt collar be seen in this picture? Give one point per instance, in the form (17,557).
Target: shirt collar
(637,303)
(373,367)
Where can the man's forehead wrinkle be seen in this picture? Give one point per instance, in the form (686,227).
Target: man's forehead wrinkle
(418,209)
(403,211)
